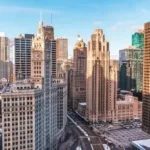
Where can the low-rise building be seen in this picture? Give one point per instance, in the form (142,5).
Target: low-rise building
(128,108)
(82,108)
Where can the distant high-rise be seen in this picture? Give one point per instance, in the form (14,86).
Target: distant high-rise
(22,50)
(138,39)
(97,85)
(4,57)
(49,32)
(61,48)
(4,48)
(131,69)
(146,79)
(79,73)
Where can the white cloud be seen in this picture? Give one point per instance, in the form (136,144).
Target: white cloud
(119,24)
(114,28)
(12,9)
(126,22)
(136,28)
(97,22)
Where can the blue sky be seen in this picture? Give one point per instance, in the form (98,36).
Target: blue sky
(119,19)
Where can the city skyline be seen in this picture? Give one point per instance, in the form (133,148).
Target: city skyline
(115,25)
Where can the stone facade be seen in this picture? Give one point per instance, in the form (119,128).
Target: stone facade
(79,73)
(97,85)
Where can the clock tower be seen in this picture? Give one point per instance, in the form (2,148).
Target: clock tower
(40,57)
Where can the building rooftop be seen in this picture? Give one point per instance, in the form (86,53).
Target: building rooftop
(124,137)
(142,144)
(19,87)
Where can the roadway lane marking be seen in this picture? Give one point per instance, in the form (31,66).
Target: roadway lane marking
(81,130)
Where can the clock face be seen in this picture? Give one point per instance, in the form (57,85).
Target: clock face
(37,55)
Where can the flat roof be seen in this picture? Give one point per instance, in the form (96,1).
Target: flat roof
(124,137)
(142,144)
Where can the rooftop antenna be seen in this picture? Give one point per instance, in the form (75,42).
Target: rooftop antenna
(41,22)
(51,19)
(40,15)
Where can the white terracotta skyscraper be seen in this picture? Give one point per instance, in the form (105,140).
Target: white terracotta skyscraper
(97,85)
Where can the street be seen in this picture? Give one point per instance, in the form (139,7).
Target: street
(82,139)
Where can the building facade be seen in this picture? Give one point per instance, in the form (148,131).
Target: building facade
(113,86)
(146,79)
(131,69)
(41,75)
(4,57)
(61,87)
(18,116)
(138,39)
(79,73)
(62,49)
(128,108)
(97,77)
(22,53)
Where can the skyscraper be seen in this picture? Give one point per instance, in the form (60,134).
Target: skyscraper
(62,49)
(49,121)
(22,50)
(131,69)
(79,73)
(138,39)
(113,86)
(4,57)
(97,85)
(37,106)
(146,79)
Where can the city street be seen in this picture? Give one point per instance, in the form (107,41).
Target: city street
(83,140)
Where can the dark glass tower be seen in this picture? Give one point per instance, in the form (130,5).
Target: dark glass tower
(131,69)
(138,40)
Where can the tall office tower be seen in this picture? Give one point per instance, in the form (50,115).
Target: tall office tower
(131,69)
(138,39)
(113,81)
(146,79)
(79,73)
(49,32)
(53,65)
(22,52)
(97,85)
(41,63)
(18,116)
(62,49)
(49,35)
(4,57)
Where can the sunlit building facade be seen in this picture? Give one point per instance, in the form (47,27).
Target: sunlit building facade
(4,57)
(146,79)
(79,73)
(97,77)
(62,49)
